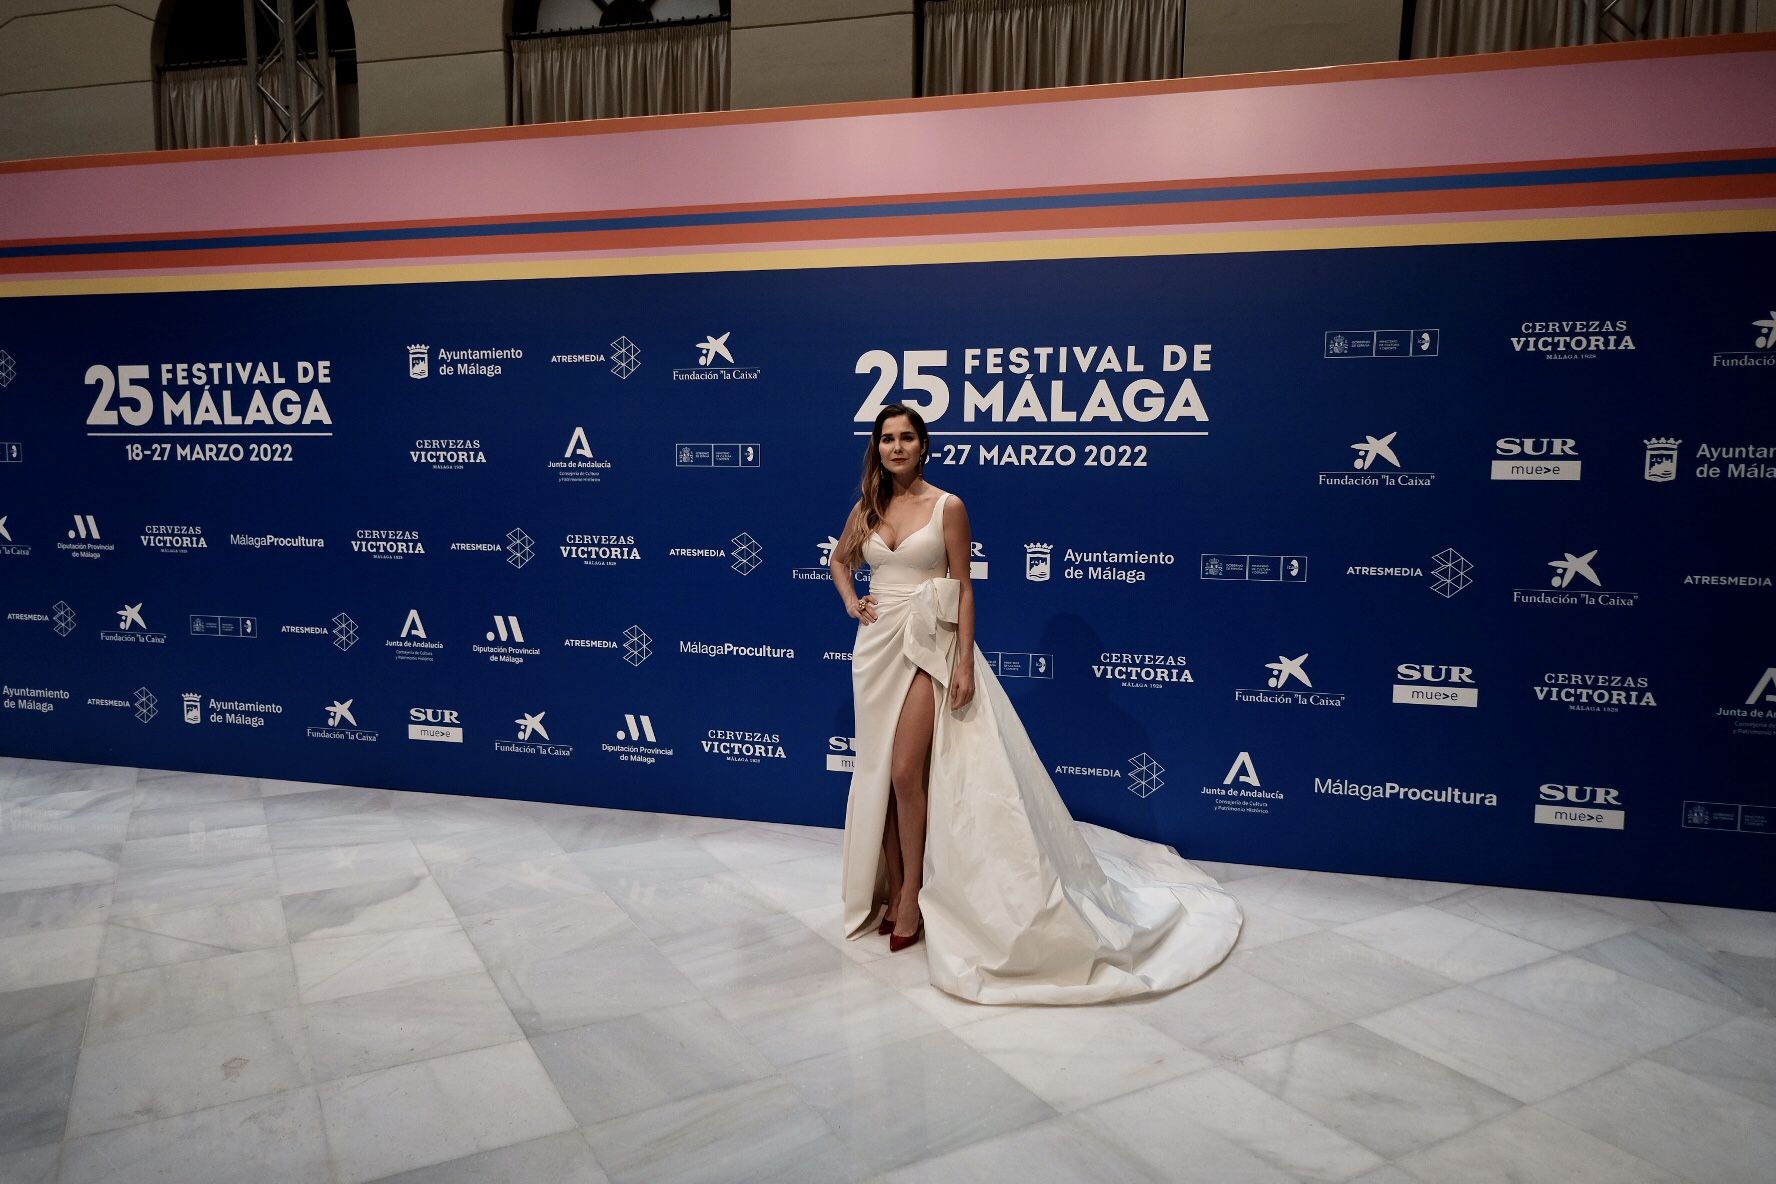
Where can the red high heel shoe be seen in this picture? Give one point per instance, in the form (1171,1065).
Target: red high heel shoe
(897,943)
(885,928)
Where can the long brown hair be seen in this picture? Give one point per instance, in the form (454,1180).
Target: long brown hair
(878,485)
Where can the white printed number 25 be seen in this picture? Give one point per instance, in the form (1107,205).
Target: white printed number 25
(133,401)
(907,369)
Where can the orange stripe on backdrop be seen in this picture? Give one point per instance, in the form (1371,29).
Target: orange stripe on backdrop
(1578,200)
(1125,187)
(1675,47)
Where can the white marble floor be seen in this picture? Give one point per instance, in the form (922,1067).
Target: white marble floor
(221,979)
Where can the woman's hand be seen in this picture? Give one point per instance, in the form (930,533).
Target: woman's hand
(961,686)
(864,609)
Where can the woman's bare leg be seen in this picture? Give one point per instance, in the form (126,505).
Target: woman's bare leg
(891,856)
(907,769)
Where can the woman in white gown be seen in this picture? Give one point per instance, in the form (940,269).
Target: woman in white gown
(953,830)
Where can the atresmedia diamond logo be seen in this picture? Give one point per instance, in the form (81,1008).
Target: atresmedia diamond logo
(1145,775)
(1451,573)
(147,706)
(64,618)
(345,632)
(747,553)
(520,547)
(625,357)
(638,647)
(8,369)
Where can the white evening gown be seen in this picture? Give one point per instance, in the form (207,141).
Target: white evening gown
(1021,903)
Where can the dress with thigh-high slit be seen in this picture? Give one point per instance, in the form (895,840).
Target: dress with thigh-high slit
(1021,904)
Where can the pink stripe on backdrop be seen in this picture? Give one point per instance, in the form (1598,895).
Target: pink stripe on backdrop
(1708,102)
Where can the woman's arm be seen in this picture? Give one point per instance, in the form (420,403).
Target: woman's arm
(861,607)
(959,548)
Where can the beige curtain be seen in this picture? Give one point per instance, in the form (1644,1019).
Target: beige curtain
(656,71)
(983,45)
(1444,27)
(210,107)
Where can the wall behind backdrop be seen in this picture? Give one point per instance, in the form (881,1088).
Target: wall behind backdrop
(1370,470)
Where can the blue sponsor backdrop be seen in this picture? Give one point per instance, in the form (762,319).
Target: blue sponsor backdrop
(1288,592)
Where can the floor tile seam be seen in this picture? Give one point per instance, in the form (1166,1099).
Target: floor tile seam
(191,941)
(1222,1059)
(1076,1129)
(585,1128)
(131,1126)
(777,1073)
(1540,1107)
(1051,1116)
(304,1063)
(453,1107)
(388,938)
(1492,922)
(1450,984)
(305,1081)
(74,1077)
(290,962)
(1494,928)
(276,846)
(1107,1098)
(1217,1136)
(158,911)
(1548,952)
(1711,971)
(1468,1078)
(1701,1081)
(1592,1037)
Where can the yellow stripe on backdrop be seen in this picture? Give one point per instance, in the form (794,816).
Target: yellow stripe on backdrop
(911,254)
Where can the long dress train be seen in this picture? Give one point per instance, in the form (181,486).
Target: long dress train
(1021,904)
